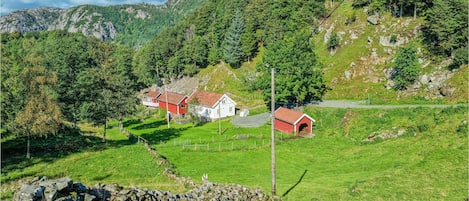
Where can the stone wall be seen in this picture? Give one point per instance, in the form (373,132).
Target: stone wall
(64,189)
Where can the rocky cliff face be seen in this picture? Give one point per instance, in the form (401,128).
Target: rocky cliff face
(86,21)
(77,19)
(37,19)
(132,24)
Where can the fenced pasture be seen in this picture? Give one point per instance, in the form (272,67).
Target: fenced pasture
(340,164)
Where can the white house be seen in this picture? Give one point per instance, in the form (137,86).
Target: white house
(211,106)
(150,99)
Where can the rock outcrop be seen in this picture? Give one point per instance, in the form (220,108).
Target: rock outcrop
(66,189)
(37,19)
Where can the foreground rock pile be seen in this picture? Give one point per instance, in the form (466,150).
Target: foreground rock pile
(64,189)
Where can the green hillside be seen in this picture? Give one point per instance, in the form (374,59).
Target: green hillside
(68,94)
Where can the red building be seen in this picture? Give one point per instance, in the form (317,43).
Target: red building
(176,103)
(150,99)
(293,122)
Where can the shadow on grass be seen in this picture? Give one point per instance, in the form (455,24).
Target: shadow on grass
(163,135)
(47,150)
(296,184)
(154,124)
(131,122)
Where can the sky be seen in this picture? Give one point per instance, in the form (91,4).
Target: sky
(7,6)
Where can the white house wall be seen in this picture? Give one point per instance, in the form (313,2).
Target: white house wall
(226,109)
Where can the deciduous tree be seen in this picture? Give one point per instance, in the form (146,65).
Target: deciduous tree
(406,68)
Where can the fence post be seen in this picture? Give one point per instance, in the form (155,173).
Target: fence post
(219,147)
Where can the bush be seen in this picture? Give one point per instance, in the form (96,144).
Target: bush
(460,58)
(462,128)
(333,41)
(406,68)
(393,39)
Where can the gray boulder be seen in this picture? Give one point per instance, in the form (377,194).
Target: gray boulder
(373,19)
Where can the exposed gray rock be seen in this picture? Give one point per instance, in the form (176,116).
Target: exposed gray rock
(385,134)
(328,33)
(373,19)
(36,19)
(30,192)
(206,191)
(386,41)
(347,74)
(353,35)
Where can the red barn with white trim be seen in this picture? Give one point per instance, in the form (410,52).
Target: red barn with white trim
(293,122)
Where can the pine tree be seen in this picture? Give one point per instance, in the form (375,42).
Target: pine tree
(232,50)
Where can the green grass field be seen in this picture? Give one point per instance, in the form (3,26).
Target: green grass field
(428,162)
(84,159)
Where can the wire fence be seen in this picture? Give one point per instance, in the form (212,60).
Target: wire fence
(241,142)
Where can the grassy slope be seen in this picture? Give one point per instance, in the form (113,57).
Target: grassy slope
(82,158)
(428,164)
(223,78)
(365,76)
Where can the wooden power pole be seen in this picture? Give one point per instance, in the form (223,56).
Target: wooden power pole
(272,110)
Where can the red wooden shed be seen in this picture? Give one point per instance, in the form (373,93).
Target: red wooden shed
(177,103)
(293,122)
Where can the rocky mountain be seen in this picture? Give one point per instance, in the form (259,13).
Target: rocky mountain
(133,24)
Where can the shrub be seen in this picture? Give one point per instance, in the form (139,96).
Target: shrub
(462,128)
(393,39)
(460,58)
(406,68)
(333,41)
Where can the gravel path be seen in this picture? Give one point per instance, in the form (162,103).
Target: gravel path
(362,104)
(251,121)
(261,119)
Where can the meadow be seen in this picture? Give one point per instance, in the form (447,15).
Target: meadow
(428,162)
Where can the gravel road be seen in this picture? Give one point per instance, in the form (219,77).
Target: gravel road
(362,104)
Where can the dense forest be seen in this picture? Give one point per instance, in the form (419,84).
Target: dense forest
(49,78)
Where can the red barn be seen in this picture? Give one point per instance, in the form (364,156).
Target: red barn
(176,103)
(291,121)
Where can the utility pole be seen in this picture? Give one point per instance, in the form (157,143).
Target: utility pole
(219,118)
(272,110)
(167,108)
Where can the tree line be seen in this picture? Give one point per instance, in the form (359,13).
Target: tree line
(52,77)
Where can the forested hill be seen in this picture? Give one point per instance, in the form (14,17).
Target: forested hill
(385,50)
(133,24)
(351,49)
